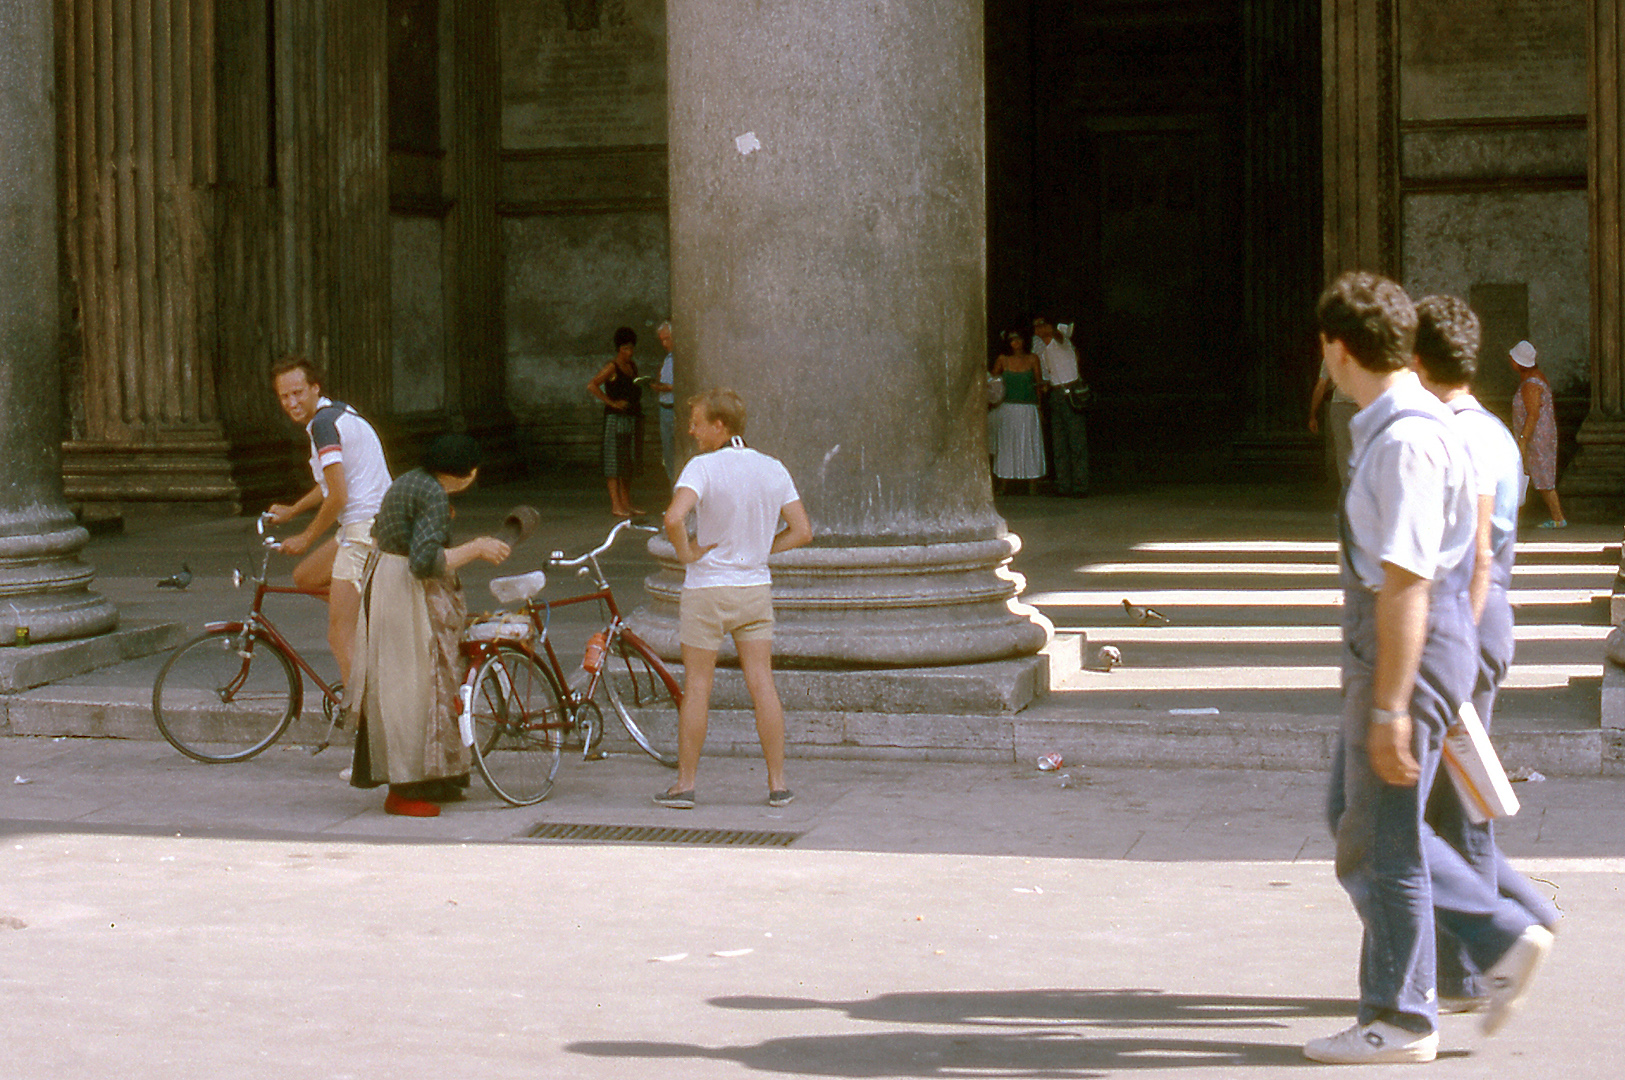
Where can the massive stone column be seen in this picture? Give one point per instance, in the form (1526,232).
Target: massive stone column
(1360,136)
(1598,470)
(42,582)
(136,92)
(828,260)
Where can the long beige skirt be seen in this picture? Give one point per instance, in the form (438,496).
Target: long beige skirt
(407,667)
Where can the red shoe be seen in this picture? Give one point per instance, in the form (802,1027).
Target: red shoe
(397,804)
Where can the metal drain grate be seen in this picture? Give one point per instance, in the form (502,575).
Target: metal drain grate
(652,834)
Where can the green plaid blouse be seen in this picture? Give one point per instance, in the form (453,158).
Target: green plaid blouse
(415,520)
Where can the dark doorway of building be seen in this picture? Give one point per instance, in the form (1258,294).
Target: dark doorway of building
(1140,186)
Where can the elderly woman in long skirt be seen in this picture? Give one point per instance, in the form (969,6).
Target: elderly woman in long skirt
(408,663)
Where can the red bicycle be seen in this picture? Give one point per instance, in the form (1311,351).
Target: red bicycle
(519,709)
(233,690)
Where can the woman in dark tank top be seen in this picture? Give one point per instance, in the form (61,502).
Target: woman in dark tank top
(616,386)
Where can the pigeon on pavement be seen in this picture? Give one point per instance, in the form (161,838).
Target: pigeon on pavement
(178,580)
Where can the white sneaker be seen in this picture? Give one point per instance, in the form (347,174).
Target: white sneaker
(1509,979)
(1373,1044)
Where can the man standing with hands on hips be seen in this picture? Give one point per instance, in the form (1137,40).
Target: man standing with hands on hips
(347,461)
(1410,659)
(738,498)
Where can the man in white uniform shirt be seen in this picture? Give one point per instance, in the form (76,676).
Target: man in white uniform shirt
(1410,659)
(351,475)
(1447,340)
(1069,438)
(738,497)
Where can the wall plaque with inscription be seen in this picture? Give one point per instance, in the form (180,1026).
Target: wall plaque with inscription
(1468,59)
(578,73)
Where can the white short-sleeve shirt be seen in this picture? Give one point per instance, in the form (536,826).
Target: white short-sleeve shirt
(742,494)
(1412,496)
(339,436)
(1497,465)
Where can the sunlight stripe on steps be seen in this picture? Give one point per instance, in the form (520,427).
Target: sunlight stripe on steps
(1296,635)
(1606,553)
(1264,569)
(1318,677)
(1264,598)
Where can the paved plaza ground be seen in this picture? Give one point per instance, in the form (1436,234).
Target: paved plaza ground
(161,918)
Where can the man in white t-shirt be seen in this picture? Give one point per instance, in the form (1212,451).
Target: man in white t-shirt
(351,475)
(738,498)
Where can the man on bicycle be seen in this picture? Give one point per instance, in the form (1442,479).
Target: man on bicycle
(738,497)
(347,461)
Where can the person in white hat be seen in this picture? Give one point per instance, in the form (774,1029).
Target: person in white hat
(1534,422)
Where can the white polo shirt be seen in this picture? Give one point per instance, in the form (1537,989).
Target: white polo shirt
(339,436)
(1497,465)
(1412,496)
(742,496)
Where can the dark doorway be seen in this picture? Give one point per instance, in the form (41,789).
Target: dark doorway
(1124,141)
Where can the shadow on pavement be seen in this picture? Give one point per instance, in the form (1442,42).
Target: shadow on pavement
(1059,1040)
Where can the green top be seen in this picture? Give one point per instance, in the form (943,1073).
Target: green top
(1020,388)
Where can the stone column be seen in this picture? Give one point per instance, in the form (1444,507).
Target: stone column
(828,214)
(42,582)
(136,108)
(1598,470)
(1360,136)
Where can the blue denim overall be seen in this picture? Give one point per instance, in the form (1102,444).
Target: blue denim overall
(1398,872)
(1457,974)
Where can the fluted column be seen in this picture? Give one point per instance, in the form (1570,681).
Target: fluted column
(1360,136)
(137,122)
(43,584)
(834,277)
(1598,470)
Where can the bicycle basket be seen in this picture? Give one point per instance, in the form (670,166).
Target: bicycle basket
(504,626)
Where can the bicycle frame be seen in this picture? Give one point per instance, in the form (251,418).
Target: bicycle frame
(260,625)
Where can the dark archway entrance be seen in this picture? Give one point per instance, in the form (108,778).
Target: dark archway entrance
(1154,173)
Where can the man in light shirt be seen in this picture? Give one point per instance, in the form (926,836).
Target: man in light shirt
(1410,659)
(1447,340)
(738,498)
(1069,439)
(347,461)
(664,388)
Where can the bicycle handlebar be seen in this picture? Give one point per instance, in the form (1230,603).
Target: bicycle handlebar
(558,559)
(261,523)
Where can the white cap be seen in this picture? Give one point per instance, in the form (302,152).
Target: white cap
(1523,354)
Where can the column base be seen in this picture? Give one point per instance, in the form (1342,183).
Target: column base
(44,588)
(179,469)
(888,606)
(1594,483)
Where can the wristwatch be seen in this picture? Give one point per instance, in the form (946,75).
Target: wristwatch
(1388,716)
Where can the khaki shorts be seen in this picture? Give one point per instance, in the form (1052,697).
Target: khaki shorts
(355,543)
(706,616)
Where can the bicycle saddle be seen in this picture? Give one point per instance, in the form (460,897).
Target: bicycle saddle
(518,588)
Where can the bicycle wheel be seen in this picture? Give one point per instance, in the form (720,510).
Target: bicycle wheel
(644,697)
(518,727)
(225,696)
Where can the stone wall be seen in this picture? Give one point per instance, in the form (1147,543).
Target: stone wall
(1492,176)
(583,202)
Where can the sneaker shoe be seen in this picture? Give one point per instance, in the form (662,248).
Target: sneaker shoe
(1458,1005)
(675,800)
(1373,1044)
(1511,976)
(1553,524)
(781,798)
